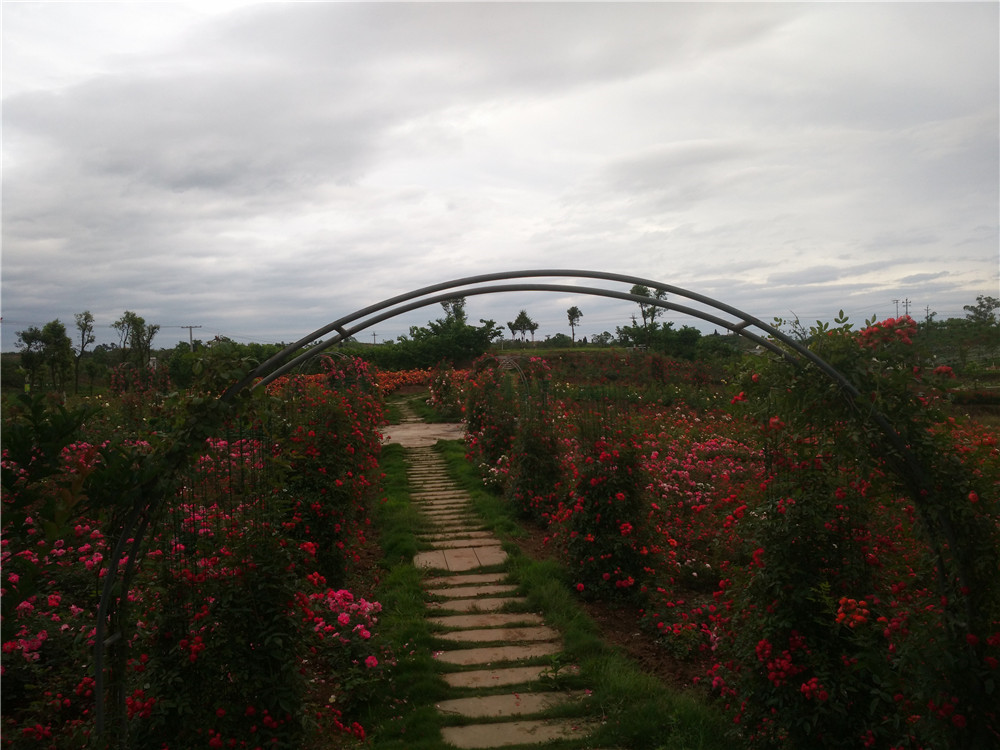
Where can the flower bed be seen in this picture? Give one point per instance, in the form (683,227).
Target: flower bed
(835,594)
(239,632)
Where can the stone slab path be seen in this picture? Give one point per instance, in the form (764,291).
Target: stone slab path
(496,656)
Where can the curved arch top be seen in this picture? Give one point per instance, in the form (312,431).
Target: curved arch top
(709,310)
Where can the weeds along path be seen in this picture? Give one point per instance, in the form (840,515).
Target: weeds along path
(496,656)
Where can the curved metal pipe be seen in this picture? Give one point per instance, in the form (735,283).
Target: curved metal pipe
(458,284)
(344,332)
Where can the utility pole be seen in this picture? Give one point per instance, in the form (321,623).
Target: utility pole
(373,338)
(190,334)
(906,305)
(896,301)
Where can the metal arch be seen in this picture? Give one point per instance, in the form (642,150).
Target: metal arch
(345,330)
(277,366)
(901,456)
(464,287)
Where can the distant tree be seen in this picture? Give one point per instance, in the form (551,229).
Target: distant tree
(135,338)
(32,347)
(985,328)
(454,310)
(94,369)
(532,328)
(717,347)
(450,338)
(523,324)
(574,316)
(602,339)
(647,310)
(58,353)
(85,329)
(559,341)
(46,349)
(982,313)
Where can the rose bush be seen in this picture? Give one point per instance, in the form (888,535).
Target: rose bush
(235,635)
(828,552)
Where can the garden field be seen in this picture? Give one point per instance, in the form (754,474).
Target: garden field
(821,564)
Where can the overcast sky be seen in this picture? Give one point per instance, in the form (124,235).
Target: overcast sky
(262,169)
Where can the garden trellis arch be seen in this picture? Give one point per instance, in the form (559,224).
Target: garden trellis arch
(768,337)
(709,310)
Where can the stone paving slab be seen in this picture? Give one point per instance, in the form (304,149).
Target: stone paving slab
(458,560)
(465,579)
(456,509)
(464,592)
(489,635)
(465,521)
(490,556)
(513,733)
(452,516)
(444,536)
(506,704)
(422,435)
(432,559)
(484,678)
(444,504)
(455,528)
(486,619)
(490,541)
(453,525)
(486,604)
(467,657)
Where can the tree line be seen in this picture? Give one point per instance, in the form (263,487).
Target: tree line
(50,357)
(53,357)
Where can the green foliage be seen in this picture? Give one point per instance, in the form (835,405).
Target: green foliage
(229,629)
(135,338)
(85,331)
(46,355)
(446,340)
(821,550)
(523,325)
(574,314)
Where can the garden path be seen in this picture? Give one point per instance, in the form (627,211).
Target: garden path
(497,655)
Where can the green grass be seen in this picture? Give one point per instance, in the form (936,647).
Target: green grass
(405,717)
(429,414)
(630,709)
(392,413)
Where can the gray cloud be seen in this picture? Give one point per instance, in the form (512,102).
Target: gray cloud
(267,169)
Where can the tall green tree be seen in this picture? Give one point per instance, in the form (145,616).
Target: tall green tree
(574,316)
(983,324)
(58,353)
(47,350)
(135,338)
(32,347)
(983,312)
(524,325)
(85,331)
(649,311)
